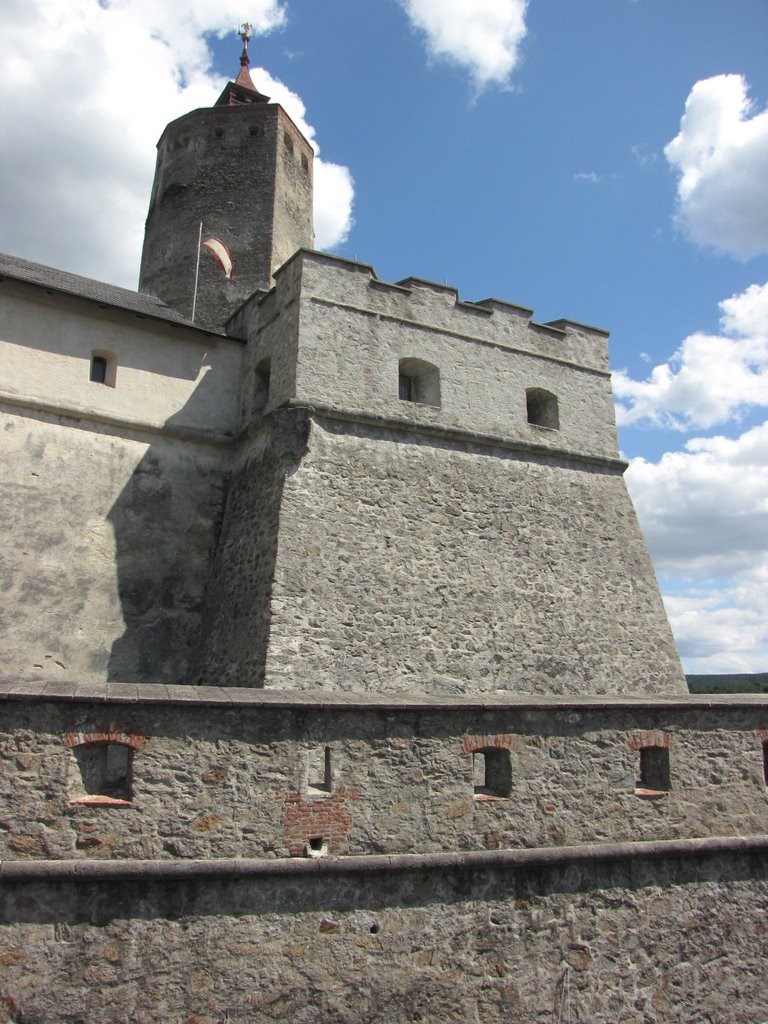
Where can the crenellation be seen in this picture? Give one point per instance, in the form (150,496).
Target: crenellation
(482,379)
(525,312)
(436,306)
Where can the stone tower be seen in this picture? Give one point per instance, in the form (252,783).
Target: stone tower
(242,169)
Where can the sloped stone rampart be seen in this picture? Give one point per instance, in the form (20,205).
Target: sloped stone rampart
(436,566)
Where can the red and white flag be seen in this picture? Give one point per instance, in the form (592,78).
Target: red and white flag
(222,254)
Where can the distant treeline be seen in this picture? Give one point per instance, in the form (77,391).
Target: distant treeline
(756,682)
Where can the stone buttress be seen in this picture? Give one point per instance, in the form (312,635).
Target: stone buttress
(429,499)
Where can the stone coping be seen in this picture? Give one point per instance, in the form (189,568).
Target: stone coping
(457,435)
(83,870)
(237,696)
(79,416)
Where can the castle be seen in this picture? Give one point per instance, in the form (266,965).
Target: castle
(336,680)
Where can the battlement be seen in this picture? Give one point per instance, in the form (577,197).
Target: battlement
(334,335)
(491,320)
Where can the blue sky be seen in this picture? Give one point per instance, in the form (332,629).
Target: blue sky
(523,151)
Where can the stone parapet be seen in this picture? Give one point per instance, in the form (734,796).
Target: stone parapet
(209,774)
(240,696)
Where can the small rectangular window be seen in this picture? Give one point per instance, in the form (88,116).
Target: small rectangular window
(542,408)
(103,773)
(261,384)
(654,771)
(765,762)
(418,381)
(99,370)
(492,772)
(319,772)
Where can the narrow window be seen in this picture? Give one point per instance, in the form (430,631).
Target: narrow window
(319,772)
(288,143)
(304,163)
(765,762)
(104,772)
(492,773)
(98,369)
(419,382)
(103,368)
(654,771)
(541,408)
(261,384)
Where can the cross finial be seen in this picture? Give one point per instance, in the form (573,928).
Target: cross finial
(245,35)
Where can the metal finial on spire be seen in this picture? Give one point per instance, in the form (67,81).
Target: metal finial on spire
(236,92)
(245,35)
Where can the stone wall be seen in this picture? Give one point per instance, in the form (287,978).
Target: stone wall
(354,330)
(238,608)
(640,940)
(106,550)
(449,548)
(228,773)
(414,564)
(164,376)
(401,546)
(112,494)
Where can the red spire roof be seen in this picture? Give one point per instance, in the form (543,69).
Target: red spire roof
(242,90)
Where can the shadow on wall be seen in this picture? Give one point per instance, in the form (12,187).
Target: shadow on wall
(237,616)
(165,522)
(196,532)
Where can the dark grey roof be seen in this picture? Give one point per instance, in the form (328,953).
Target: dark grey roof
(97,291)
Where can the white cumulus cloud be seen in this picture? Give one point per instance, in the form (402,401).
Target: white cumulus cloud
(721,156)
(722,631)
(86,89)
(334,187)
(711,377)
(484,36)
(704,511)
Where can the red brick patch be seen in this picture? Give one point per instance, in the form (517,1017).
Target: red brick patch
(103,733)
(308,819)
(649,738)
(504,740)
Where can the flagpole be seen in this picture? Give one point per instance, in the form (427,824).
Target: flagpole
(197,270)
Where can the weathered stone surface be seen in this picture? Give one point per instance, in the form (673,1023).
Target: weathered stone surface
(449,549)
(379,544)
(240,781)
(436,568)
(105,568)
(245,172)
(676,941)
